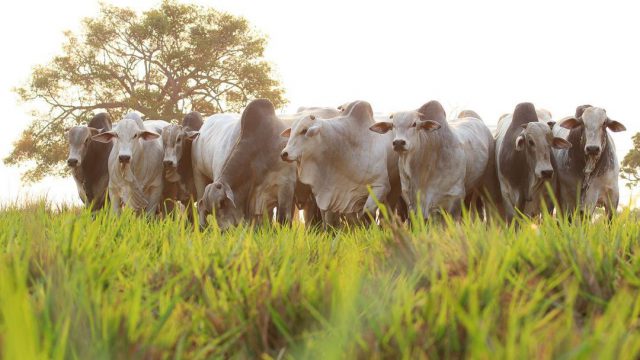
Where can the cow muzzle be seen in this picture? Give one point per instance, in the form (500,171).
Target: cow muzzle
(124,159)
(592,150)
(169,163)
(285,157)
(72,162)
(546,174)
(400,145)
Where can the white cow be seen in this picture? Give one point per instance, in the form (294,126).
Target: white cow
(340,159)
(209,152)
(441,162)
(135,164)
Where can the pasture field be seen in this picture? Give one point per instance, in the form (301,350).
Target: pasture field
(123,287)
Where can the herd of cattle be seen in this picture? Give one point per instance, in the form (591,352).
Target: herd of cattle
(337,165)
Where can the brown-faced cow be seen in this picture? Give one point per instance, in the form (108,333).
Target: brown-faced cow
(589,170)
(88,160)
(178,164)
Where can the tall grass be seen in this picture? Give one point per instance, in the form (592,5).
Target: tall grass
(77,285)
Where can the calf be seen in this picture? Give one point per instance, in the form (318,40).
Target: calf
(589,170)
(88,160)
(523,154)
(135,165)
(440,162)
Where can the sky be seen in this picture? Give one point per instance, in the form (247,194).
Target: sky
(481,55)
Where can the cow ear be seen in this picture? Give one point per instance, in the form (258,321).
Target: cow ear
(428,125)
(571,123)
(286,133)
(313,130)
(192,135)
(560,143)
(148,135)
(615,126)
(520,143)
(551,124)
(105,137)
(381,127)
(94,131)
(229,194)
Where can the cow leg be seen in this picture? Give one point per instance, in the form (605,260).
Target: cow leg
(285,203)
(116,200)
(611,203)
(154,198)
(329,218)
(509,210)
(312,214)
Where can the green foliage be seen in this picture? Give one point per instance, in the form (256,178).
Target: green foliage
(630,167)
(73,285)
(163,63)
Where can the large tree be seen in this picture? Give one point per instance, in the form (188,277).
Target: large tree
(630,169)
(162,62)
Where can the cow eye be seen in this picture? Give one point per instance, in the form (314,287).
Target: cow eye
(179,138)
(413,125)
(303,132)
(135,136)
(531,143)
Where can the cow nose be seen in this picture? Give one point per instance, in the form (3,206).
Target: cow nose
(399,143)
(592,150)
(284,155)
(72,162)
(167,163)
(124,158)
(547,174)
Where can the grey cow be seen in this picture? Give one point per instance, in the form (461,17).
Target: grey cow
(523,154)
(441,162)
(588,171)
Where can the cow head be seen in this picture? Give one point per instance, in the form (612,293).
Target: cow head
(79,139)
(594,123)
(407,127)
(217,200)
(536,141)
(302,138)
(174,138)
(128,137)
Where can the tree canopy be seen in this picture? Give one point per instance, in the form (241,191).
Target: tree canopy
(163,63)
(630,167)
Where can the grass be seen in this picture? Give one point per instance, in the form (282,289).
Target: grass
(73,286)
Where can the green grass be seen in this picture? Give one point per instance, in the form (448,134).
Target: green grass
(123,287)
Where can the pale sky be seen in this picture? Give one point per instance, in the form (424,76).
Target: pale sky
(481,55)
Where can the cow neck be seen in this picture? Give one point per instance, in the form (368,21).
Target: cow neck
(433,145)
(514,165)
(240,170)
(185,164)
(317,168)
(95,163)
